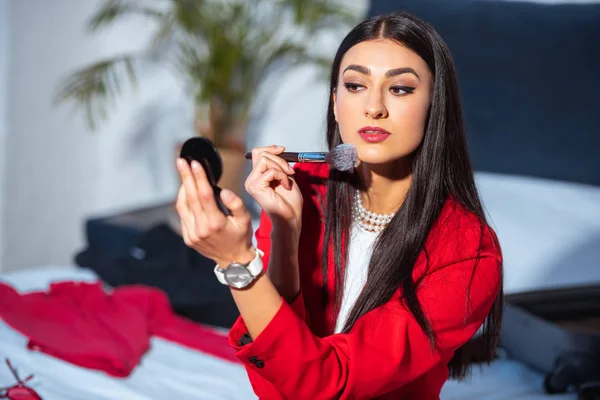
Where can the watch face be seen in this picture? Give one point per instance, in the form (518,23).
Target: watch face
(237,276)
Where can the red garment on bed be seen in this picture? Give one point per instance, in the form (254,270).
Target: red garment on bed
(84,325)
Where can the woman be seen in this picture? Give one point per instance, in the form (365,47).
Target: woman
(349,308)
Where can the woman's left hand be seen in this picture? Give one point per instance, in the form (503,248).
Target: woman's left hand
(204,227)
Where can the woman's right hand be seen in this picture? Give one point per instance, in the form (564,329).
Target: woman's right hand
(270,183)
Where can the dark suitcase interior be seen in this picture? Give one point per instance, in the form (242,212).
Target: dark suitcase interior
(558,333)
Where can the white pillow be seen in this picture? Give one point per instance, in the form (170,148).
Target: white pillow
(549,230)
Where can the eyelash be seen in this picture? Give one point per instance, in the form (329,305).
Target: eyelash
(353,88)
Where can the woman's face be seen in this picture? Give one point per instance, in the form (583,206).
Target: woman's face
(382,100)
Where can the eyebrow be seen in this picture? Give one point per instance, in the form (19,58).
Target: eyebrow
(392,72)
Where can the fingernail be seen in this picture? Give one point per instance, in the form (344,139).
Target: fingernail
(180,162)
(195,165)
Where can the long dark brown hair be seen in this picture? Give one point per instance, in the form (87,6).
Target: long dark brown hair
(440,168)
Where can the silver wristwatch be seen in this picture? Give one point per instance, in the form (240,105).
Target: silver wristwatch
(238,275)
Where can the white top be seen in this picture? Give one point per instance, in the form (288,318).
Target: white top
(359,255)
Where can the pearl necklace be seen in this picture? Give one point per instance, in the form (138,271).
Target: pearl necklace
(367,220)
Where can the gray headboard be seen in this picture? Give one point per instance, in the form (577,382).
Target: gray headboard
(529,75)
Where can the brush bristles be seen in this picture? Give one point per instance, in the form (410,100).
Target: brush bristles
(342,157)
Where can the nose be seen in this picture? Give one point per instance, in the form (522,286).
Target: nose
(376,109)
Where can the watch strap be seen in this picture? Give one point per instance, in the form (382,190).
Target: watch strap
(220,275)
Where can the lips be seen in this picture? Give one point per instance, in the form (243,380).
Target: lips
(373,134)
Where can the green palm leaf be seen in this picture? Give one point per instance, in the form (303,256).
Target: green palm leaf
(112,10)
(97,85)
(222,49)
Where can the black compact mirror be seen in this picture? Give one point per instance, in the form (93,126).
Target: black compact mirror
(205,152)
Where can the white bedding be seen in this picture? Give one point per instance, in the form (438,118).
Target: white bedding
(549,230)
(169,371)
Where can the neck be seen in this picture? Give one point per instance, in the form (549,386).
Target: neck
(385,186)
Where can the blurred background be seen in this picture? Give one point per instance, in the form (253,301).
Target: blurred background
(97,96)
(127,161)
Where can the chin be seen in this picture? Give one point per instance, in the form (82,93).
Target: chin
(374,155)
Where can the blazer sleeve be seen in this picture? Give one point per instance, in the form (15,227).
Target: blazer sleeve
(385,349)
(263,242)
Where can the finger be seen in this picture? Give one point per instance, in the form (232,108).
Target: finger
(191,192)
(263,165)
(256,152)
(236,205)
(259,181)
(206,194)
(185,234)
(268,160)
(181,204)
(275,175)
(186,217)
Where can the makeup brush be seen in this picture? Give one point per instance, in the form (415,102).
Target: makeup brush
(343,157)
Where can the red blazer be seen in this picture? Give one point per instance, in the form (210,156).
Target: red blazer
(386,355)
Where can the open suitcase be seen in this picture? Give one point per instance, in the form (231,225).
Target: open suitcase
(557,332)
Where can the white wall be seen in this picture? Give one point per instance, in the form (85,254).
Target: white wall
(57,171)
(4,42)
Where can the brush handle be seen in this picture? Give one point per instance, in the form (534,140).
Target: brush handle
(307,156)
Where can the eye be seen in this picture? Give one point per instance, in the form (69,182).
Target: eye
(401,90)
(353,87)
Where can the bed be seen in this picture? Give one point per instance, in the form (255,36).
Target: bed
(517,212)
(170,371)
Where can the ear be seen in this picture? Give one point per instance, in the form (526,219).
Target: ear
(334,96)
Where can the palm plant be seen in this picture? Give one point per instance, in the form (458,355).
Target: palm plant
(221,48)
